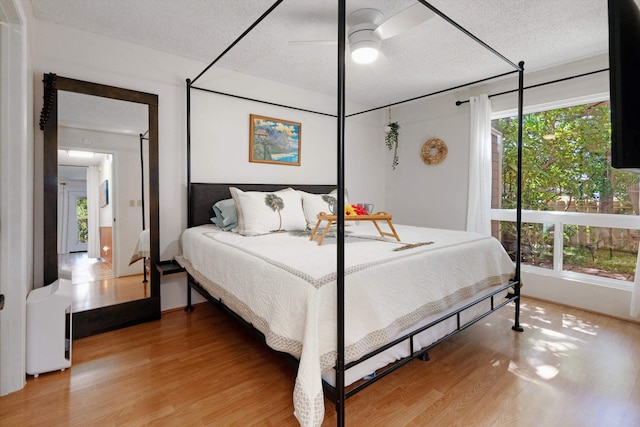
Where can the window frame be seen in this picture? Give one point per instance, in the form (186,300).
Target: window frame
(560,219)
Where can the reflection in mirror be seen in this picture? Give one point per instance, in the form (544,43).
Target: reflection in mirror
(102,184)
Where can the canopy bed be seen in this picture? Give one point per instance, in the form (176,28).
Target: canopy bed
(364,312)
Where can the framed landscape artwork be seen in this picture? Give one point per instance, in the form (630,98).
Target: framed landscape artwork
(274,141)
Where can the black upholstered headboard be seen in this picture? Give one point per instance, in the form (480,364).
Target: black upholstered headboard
(204,195)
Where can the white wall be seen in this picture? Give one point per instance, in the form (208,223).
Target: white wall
(220,128)
(220,143)
(220,147)
(429,195)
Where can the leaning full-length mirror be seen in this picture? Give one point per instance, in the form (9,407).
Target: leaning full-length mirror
(101,201)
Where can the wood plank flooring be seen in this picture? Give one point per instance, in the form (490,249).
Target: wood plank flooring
(568,368)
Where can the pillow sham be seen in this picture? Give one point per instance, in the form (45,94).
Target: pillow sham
(267,212)
(225,213)
(313,204)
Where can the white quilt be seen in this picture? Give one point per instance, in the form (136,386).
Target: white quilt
(141,250)
(286,287)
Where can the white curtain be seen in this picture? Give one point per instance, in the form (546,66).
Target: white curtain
(63,204)
(479,200)
(635,294)
(93,212)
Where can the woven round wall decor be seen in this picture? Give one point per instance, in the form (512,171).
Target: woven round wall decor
(433,151)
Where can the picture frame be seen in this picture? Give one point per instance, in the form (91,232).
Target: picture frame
(274,141)
(104,193)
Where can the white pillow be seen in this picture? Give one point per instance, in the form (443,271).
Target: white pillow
(313,204)
(256,216)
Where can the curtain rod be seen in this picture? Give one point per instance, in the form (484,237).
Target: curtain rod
(541,84)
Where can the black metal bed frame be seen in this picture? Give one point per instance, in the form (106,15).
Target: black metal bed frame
(338,392)
(143,137)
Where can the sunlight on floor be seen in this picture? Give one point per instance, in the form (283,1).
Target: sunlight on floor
(551,348)
(577,324)
(547,372)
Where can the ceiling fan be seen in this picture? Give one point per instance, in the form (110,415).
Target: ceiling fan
(367,28)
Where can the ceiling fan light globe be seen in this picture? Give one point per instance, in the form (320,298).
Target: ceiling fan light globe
(364,54)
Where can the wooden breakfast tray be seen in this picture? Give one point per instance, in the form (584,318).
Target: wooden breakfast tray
(331,219)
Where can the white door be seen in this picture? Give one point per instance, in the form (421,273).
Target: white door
(77,222)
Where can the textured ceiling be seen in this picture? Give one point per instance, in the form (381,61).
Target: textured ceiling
(425,58)
(77,110)
(94,113)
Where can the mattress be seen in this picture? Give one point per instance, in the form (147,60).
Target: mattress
(285,286)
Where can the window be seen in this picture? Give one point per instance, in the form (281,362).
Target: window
(82,215)
(576,207)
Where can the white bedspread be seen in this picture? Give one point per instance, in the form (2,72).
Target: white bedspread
(141,250)
(286,287)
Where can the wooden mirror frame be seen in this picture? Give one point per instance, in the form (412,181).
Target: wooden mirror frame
(116,316)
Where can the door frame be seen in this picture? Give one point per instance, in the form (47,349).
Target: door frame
(16,193)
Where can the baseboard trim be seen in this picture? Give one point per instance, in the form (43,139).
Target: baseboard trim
(181,308)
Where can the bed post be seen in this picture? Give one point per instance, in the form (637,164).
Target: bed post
(340,395)
(189,220)
(189,86)
(518,281)
(189,306)
(142,139)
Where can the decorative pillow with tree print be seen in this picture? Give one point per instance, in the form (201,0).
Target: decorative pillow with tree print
(268,212)
(313,204)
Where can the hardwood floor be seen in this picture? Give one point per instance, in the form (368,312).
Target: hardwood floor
(568,368)
(93,284)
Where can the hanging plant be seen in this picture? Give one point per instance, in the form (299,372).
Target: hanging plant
(391,140)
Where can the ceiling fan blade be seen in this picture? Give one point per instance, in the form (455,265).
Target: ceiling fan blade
(313,43)
(403,20)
